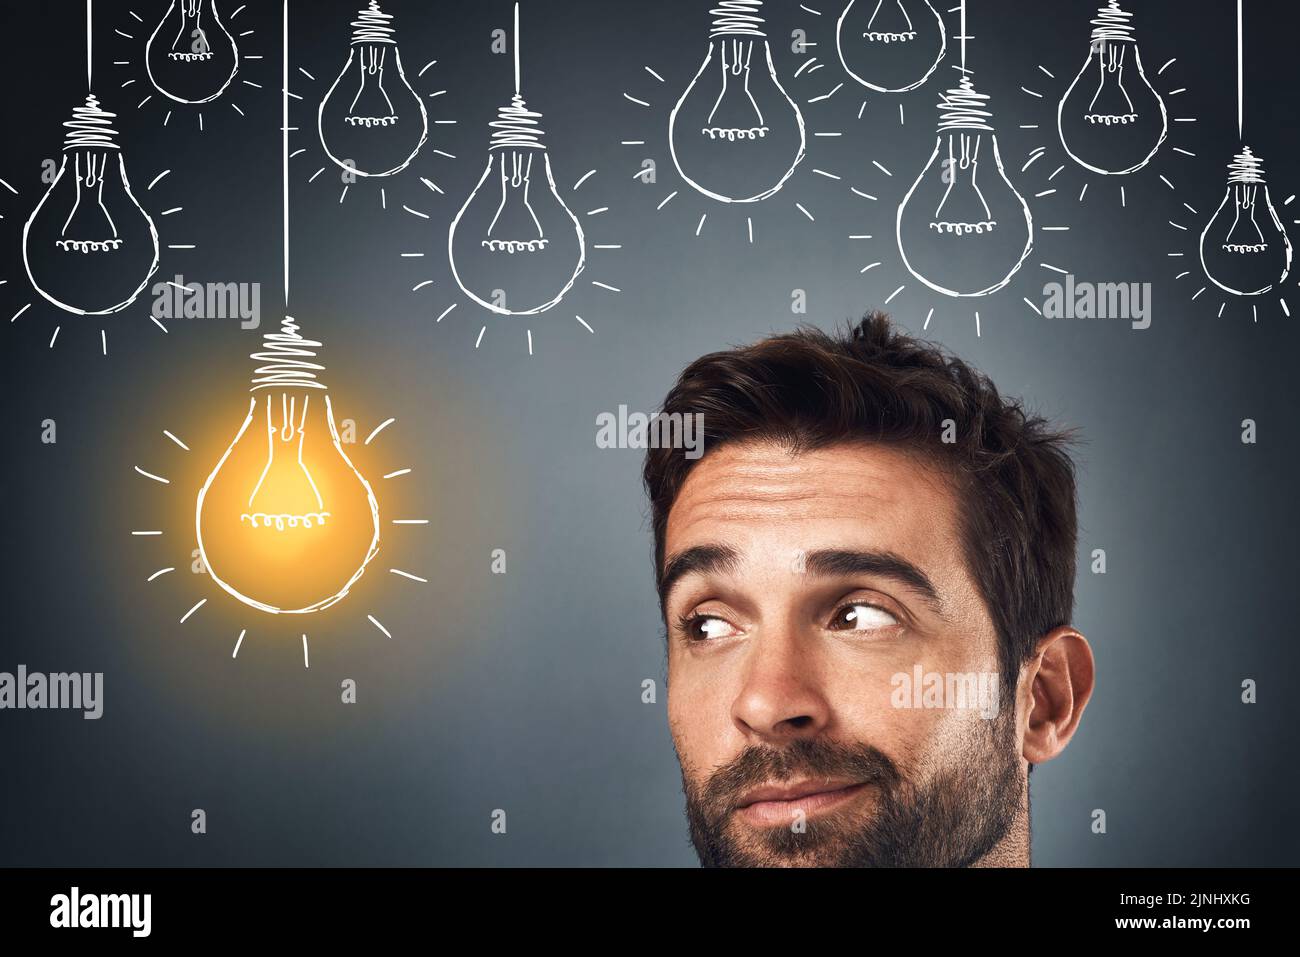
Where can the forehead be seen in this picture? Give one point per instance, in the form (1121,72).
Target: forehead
(860,494)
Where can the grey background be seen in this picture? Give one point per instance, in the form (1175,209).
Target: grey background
(522,691)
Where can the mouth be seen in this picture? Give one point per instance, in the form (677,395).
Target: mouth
(777,804)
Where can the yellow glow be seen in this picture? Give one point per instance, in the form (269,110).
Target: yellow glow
(285,522)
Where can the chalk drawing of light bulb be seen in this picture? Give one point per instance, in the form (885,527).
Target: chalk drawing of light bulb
(515,247)
(1244,247)
(1111,119)
(191,56)
(285,522)
(890,46)
(371,122)
(735,135)
(89,247)
(963,229)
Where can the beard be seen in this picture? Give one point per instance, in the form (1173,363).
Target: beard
(953,819)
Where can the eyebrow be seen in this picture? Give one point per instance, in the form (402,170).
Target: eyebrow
(697,560)
(824,563)
(835,561)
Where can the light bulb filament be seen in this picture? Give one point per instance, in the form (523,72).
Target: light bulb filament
(1112,72)
(964,115)
(741,52)
(372,65)
(1245,176)
(90,130)
(189,27)
(889,36)
(288,430)
(878,37)
(516,176)
(291,427)
(95,174)
(91,178)
(282,522)
(1253,241)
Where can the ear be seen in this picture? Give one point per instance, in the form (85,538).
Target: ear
(1059,680)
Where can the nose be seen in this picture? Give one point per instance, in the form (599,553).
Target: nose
(781,697)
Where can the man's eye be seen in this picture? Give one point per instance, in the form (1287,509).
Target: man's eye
(706,628)
(861,618)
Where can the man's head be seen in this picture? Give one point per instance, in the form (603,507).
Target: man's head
(867,582)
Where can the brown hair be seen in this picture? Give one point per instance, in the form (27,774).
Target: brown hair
(1012,472)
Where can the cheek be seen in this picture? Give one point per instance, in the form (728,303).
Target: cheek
(867,707)
(876,700)
(699,715)
(952,711)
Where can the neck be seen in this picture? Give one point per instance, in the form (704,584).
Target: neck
(1013,850)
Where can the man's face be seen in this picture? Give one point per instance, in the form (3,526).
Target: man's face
(806,594)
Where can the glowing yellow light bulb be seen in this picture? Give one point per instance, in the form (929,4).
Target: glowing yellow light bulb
(285,521)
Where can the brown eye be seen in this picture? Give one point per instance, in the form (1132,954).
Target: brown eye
(861,617)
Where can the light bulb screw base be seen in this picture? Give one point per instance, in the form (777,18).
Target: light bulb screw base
(372,25)
(964,108)
(738,18)
(288,359)
(91,127)
(517,127)
(1112,24)
(1246,167)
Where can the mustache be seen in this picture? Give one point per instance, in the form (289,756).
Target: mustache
(805,758)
